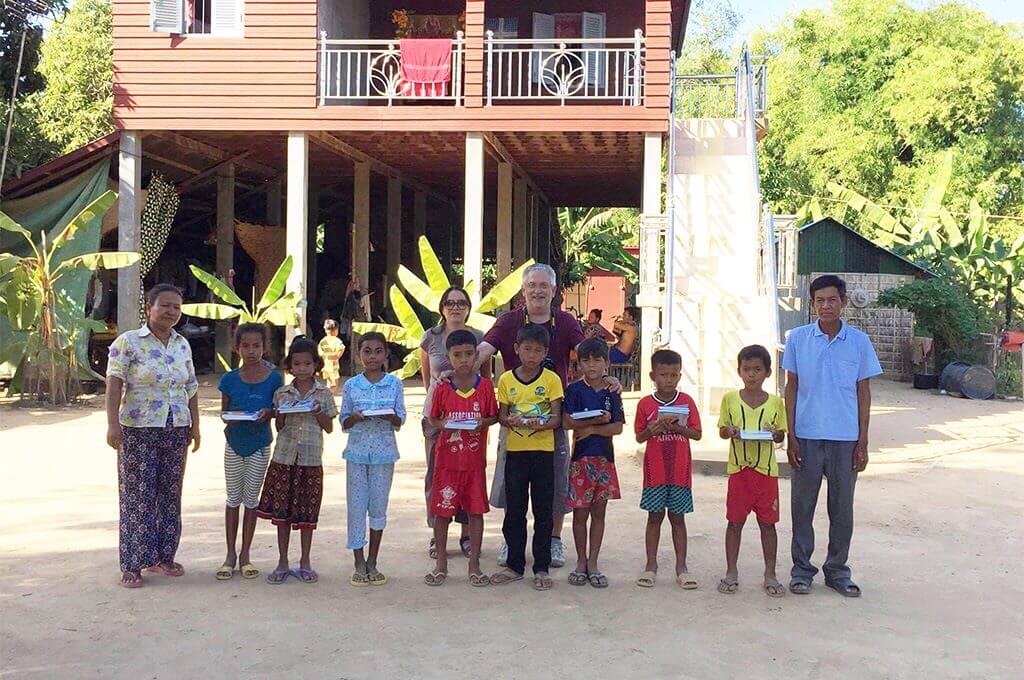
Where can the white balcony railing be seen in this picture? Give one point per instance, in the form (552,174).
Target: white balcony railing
(370,71)
(598,69)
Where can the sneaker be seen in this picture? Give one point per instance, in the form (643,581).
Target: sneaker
(503,555)
(557,553)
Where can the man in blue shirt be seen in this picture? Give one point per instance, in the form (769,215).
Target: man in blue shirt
(829,366)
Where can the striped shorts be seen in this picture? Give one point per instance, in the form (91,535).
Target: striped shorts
(243,476)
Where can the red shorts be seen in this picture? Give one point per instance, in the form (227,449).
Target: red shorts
(454,490)
(591,478)
(749,490)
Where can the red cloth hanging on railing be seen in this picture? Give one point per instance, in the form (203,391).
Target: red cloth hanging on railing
(426,67)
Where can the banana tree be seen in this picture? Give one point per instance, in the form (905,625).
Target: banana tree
(593,240)
(274,307)
(428,294)
(44,318)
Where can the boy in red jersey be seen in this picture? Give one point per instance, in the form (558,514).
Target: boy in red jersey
(462,409)
(667,420)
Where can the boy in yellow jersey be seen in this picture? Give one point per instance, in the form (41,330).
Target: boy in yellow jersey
(530,405)
(753,421)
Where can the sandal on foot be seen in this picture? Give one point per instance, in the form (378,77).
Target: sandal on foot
(248,571)
(307,575)
(465,546)
(505,576)
(225,572)
(432,550)
(800,587)
(685,581)
(479,580)
(541,581)
(359,579)
(598,580)
(728,585)
(578,578)
(844,587)
(377,578)
(436,578)
(278,576)
(130,579)
(647,579)
(172,569)
(773,588)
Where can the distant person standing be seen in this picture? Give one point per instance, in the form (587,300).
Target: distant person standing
(829,366)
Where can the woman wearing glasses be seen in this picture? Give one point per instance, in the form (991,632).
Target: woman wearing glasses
(434,366)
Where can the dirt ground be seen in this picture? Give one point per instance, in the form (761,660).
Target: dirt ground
(937,550)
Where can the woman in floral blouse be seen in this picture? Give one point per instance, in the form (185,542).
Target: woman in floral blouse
(152,415)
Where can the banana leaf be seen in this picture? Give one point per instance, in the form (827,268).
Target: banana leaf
(504,290)
(216,286)
(276,286)
(7,224)
(223,363)
(928,213)
(481,322)
(875,213)
(410,367)
(97,209)
(282,313)
(405,313)
(211,310)
(392,333)
(114,260)
(8,262)
(420,291)
(470,289)
(432,268)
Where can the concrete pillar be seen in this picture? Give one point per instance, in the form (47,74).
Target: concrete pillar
(129,220)
(312,220)
(473,224)
(225,252)
(520,222)
(504,248)
(274,201)
(650,317)
(394,234)
(297,225)
(361,220)
(419,215)
(534,224)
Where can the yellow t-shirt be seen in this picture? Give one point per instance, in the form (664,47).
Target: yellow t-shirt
(760,455)
(533,400)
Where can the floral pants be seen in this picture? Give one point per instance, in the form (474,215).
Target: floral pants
(150,469)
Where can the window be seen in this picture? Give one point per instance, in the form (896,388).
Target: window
(197,17)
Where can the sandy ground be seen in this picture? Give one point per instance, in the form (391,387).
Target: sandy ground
(937,549)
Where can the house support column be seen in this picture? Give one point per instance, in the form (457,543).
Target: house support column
(649,301)
(297,224)
(313,219)
(520,222)
(361,224)
(129,220)
(394,240)
(225,252)
(473,225)
(273,204)
(419,215)
(504,247)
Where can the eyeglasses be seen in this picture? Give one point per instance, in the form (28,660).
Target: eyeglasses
(456,304)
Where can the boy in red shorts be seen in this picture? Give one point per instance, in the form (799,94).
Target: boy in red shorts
(753,421)
(463,410)
(595,415)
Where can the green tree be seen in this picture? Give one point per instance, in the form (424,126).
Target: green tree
(592,239)
(872,93)
(710,31)
(77,62)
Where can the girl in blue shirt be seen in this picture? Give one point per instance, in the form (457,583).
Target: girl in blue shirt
(249,388)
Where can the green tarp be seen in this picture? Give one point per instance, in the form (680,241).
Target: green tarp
(50,211)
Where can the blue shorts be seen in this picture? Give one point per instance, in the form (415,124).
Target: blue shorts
(676,499)
(616,356)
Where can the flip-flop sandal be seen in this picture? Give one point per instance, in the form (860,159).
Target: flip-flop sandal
(578,578)
(278,576)
(465,546)
(728,585)
(377,579)
(647,579)
(130,580)
(358,579)
(800,587)
(598,580)
(479,580)
(506,576)
(174,571)
(774,589)
(225,572)
(846,587)
(248,571)
(686,582)
(542,582)
(306,575)
(435,578)
(432,550)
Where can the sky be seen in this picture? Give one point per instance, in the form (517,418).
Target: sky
(759,14)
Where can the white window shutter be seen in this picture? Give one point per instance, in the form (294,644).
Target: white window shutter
(543,27)
(166,16)
(594,27)
(227,17)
